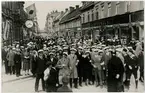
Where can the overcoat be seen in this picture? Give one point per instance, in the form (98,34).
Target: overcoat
(115,66)
(10,58)
(73,66)
(63,71)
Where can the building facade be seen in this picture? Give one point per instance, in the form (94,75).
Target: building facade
(71,24)
(121,20)
(13,21)
(56,24)
(49,25)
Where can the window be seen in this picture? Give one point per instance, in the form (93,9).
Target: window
(88,17)
(102,11)
(92,15)
(109,9)
(83,19)
(128,5)
(117,7)
(97,14)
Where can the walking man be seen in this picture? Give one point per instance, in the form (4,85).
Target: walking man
(40,68)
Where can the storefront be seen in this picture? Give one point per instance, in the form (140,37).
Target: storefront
(115,28)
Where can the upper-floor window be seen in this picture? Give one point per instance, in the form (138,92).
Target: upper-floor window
(83,18)
(88,16)
(102,11)
(92,15)
(127,6)
(109,9)
(97,14)
(117,7)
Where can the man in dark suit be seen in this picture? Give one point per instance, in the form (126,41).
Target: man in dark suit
(115,74)
(40,68)
(50,77)
(80,64)
(17,59)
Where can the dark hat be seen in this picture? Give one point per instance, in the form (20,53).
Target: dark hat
(125,50)
(130,50)
(49,63)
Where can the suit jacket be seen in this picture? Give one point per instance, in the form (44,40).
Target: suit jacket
(115,66)
(40,65)
(73,62)
(96,60)
(4,54)
(17,58)
(80,58)
(10,58)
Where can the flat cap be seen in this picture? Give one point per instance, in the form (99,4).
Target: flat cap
(40,50)
(73,49)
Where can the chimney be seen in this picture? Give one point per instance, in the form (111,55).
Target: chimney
(77,6)
(71,8)
(66,9)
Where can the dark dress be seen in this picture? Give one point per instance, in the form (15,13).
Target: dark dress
(87,68)
(115,66)
(51,81)
(80,67)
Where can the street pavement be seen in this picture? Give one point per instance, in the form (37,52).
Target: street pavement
(27,85)
(13,84)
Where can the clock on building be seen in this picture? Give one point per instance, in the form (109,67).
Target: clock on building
(29,23)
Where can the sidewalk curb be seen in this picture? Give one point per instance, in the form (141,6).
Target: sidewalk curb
(17,79)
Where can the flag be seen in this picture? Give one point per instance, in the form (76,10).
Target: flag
(5,30)
(31,11)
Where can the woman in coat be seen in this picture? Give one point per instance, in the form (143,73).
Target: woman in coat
(63,65)
(73,68)
(10,58)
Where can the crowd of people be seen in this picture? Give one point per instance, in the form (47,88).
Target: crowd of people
(58,63)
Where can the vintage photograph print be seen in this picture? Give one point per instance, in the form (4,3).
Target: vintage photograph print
(72,46)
